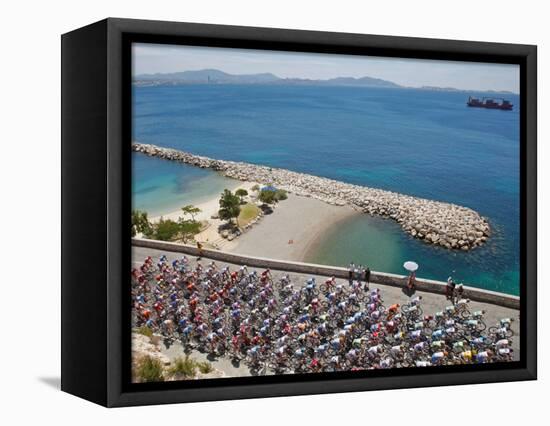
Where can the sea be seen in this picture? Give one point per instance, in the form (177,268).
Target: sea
(426,143)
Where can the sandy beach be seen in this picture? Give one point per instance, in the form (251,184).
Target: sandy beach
(289,232)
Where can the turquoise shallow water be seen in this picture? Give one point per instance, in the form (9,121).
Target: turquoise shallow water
(423,143)
(162,186)
(381,244)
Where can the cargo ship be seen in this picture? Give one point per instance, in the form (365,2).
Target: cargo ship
(491,103)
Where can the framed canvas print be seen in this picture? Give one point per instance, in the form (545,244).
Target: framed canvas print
(253,212)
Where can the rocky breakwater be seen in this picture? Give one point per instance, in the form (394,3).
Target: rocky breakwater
(434,222)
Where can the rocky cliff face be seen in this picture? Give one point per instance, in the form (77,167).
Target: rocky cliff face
(444,224)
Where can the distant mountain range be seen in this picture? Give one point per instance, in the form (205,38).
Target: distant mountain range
(213,76)
(453,89)
(207,76)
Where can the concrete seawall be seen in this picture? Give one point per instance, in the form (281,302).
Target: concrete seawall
(432,286)
(434,222)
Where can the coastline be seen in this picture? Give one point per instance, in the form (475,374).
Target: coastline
(317,241)
(334,234)
(299,219)
(450,226)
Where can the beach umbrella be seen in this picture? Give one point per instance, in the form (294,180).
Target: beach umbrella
(269,188)
(410,266)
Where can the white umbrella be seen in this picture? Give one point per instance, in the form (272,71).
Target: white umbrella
(410,266)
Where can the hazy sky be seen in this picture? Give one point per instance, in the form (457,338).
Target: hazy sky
(156,58)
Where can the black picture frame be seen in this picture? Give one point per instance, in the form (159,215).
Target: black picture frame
(96,153)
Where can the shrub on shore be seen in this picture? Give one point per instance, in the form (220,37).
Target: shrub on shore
(150,370)
(272,196)
(170,230)
(140,223)
(165,230)
(267,196)
(186,367)
(205,367)
(281,195)
(146,331)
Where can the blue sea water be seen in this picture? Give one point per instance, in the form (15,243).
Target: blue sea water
(418,142)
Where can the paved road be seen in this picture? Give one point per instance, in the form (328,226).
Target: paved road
(431,303)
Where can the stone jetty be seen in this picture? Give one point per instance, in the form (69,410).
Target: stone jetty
(434,222)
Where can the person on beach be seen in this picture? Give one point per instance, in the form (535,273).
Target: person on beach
(450,289)
(351,269)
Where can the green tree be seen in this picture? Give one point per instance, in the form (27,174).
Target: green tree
(188,228)
(268,196)
(140,223)
(241,193)
(191,210)
(229,206)
(281,195)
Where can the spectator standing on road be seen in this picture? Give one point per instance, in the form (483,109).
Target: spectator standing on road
(459,292)
(199,248)
(351,270)
(360,273)
(411,284)
(450,288)
(367,276)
